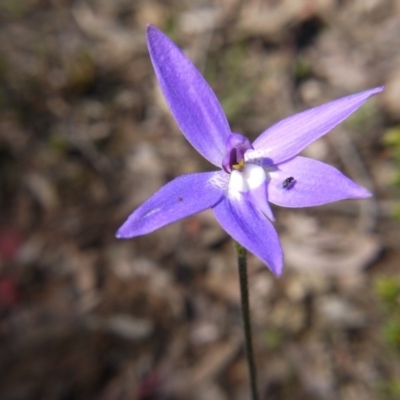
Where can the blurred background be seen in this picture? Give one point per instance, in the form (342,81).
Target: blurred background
(85,137)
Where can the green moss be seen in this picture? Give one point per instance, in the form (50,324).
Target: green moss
(14,8)
(273,339)
(58,143)
(391,139)
(391,333)
(388,292)
(390,390)
(397,212)
(301,69)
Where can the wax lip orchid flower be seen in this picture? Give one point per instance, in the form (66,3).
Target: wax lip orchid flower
(251,175)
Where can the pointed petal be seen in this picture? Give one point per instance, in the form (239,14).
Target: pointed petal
(251,184)
(252,230)
(315,183)
(290,136)
(184,196)
(259,198)
(192,102)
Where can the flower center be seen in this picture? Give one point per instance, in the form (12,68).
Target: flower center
(250,178)
(244,176)
(236,147)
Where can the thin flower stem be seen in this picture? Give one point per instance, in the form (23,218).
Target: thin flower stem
(244,296)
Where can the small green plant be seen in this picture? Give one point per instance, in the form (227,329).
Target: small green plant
(273,339)
(388,291)
(390,390)
(392,141)
(14,8)
(301,69)
(233,61)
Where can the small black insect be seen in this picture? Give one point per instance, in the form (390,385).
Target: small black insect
(288,182)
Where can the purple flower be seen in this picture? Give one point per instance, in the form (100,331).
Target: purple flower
(251,174)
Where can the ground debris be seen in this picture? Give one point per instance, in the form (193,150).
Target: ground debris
(86,136)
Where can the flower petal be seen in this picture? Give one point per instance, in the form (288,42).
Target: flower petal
(315,183)
(288,137)
(252,230)
(184,196)
(194,105)
(259,197)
